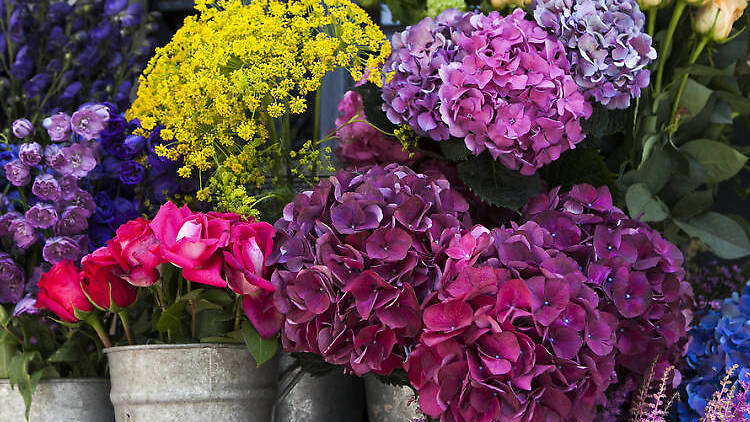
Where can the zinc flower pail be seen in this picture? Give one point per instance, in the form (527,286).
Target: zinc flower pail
(390,403)
(190,382)
(59,400)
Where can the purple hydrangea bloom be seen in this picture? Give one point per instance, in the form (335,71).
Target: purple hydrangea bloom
(73,220)
(11,280)
(30,153)
(22,128)
(23,233)
(90,120)
(58,127)
(17,173)
(354,259)
(131,173)
(411,96)
(6,220)
(46,187)
(80,159)
(61,248)
(41,216)
(608,49)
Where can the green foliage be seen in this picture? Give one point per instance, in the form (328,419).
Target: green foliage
(497,185)
(454,149)
(261,349)
(719,160)
(644,205)
(581,165)
(726,238)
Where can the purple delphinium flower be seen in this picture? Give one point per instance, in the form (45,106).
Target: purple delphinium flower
(17,173)
(23,65)
(113,7)
(41,216)
(77,197)
(131,173)
(46,187)
(606,44)
(27,305)
(54,157)
(5,221)
(22,128)
(37,84)
(30,153)
(58,127)
(411,96)
(11,280)
(90,121)
(80,159)
(23,233)
(61,248)
(73,220)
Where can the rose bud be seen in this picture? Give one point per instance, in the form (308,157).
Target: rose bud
(716,18)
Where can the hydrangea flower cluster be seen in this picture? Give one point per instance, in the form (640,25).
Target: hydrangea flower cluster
(503,84)
(637,274)
(359,143)
(62,53)
(355,258)
(609,50)
(719,340)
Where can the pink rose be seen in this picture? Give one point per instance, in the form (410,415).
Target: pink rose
(245,260)
(192,241)
(260,310)
(137,250)
(60,292)
(103,281)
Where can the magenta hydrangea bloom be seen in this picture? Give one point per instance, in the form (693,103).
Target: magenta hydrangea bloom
(411,94)
(354,259)
(637,274)
(515,334)
(360,144)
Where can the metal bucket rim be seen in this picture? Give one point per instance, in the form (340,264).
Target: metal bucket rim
(97,380)
(142,347)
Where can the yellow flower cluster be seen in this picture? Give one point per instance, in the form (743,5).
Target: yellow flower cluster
(217,87)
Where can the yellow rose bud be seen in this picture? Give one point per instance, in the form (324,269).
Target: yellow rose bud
(718,16)
(649,4)
(501,4)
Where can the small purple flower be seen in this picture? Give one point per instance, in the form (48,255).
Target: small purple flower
(17,173)
(23,128)
(23,233)
(5,221)
(54,157)
(58,127)
(133,15)
(27,305)
(113,7)
(30,153)
(61,248)
(11,280)
(77,197)
(90,121)
(79,160)
(46,188)
(131,173)
(74,220)
(23,65)
(41,216)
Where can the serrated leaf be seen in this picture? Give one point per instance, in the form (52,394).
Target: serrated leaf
(719,160)
(644,205)
(580,165)
(724,236)
(693,204)
(496,184)
(454,149)
(171,317)
(261,349)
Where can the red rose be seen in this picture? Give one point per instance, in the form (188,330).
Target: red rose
(192,242)
(60,291)
(245,262)
(103,279)
(136,248)
(259,308)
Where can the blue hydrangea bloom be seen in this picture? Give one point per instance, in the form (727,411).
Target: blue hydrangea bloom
(607,47)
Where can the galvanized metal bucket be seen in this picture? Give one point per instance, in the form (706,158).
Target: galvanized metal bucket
(388,403)
(334,397)
(190,383)
(59,400)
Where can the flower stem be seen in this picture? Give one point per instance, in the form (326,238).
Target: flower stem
(94,322)
(666,49)
(651,25)
(126,326)
(693,58)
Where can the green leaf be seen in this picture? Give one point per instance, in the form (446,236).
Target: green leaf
(693,99)
(22,379)
(643,205)
(261,349)
(724,236)
(171,317)
(693,204)
(497,185)
(738,103)
(454,149)
(7,351)
(212,323)
(603,121)
(219,297)
(70,351)
(719,160)
(580,165)
(655,171)
(191,295)
(699,70)
(220,339)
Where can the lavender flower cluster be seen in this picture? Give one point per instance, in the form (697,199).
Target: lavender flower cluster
(609,51)
(503,84)
(61,53)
